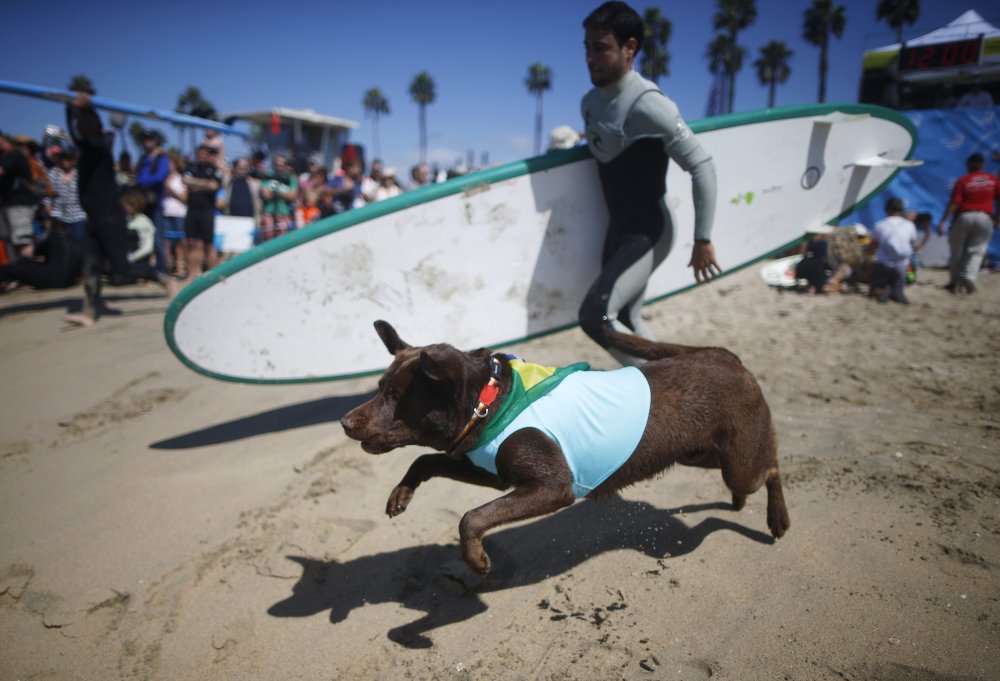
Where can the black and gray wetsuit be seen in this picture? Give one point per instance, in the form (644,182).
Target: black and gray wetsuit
(633,129)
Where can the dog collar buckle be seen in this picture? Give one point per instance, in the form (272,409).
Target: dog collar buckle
(487,396)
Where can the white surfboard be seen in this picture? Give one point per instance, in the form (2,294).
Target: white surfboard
(165,115)
(507,254)
(780,273)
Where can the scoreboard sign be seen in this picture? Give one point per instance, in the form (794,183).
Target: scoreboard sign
(941,55)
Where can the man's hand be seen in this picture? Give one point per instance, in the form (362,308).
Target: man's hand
(82,99)
(703,261)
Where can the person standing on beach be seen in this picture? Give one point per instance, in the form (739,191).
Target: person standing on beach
(17,202)
(633,130)
(974,204)
(203,180)
(150,175)
(106,239)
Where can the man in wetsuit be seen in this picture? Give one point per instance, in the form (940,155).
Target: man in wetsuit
(55,263)
(633,129)
(106,243)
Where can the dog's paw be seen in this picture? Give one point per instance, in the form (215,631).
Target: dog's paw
(399,499)
(478,560)
(777,521)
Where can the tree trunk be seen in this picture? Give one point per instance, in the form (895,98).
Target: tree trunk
(732,90)
(822,70)
(538,124)
(423,133)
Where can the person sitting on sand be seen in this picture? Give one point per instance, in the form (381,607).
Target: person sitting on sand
(143,232)
(815,267)
(848,259)
(55,263)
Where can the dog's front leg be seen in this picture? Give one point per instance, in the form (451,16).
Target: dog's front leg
(437,466)
(542,484)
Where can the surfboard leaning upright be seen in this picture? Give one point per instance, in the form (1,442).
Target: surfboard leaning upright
(506,254)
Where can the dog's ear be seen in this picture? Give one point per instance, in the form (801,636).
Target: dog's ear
(437,362)
(392,341)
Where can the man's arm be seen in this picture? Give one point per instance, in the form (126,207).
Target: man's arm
(657,116)
(152,170)
(83,123)
(293,190)
(948,212)
(202,184)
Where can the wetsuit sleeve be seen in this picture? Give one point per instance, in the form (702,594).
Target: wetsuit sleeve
(655,115)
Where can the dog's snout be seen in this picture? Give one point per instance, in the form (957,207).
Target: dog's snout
(350,422)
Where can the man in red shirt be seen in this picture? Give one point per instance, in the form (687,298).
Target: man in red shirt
(973,203)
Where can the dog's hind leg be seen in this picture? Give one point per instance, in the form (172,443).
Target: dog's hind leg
(743,483)
(777,515)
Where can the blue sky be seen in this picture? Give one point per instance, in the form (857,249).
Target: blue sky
(325,55)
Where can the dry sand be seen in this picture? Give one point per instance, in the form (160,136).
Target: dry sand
(156,524)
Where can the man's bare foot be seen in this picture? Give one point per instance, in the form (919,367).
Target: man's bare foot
(170,285)
(79,320)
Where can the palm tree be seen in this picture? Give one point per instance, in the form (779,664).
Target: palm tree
(898,12)
(422,92)
(820,20)
(539,80)
(772,67)
(193,103)
(725,57)
(81,83)
(375,104)
(654,62)
(733,16)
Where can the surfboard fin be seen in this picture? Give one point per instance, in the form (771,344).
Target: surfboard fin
(839,117)
(881,162)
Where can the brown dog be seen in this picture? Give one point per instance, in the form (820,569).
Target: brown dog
(705,409)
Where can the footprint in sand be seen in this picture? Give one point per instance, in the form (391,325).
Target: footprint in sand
(125,404)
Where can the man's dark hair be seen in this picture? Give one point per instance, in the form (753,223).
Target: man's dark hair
(618,18)
(976,158)
(894,205)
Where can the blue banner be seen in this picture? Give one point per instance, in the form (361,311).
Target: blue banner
(946,138)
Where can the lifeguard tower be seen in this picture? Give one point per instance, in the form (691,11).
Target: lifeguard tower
(299,134)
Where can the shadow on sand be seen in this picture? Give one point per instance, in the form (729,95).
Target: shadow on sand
(300,415)
(432,579)
(73,305)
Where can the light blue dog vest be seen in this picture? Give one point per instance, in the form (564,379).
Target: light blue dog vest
(596,417)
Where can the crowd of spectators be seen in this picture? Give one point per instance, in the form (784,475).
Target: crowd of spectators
(39,196)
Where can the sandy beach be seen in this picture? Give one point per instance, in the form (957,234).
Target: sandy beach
(157,524)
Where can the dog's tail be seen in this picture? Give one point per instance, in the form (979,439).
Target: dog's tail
(640,347)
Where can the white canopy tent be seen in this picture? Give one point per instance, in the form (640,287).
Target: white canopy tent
(968,26)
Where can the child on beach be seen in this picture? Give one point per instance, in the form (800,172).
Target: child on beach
(894,239)
(142,233)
